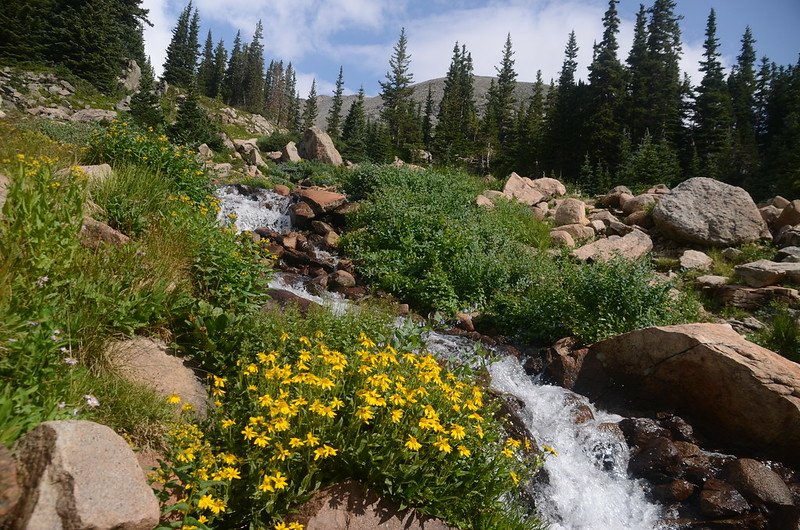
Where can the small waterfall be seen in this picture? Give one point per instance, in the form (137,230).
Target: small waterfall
(587,486)
(254,208)
(337,304)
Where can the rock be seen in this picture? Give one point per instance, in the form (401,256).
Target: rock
(788,255)
(90,115)
(282,190)
(563,362)
(281,299)
(249,151)
(640,203)
(764,272)
(579,408)
(301,214)
(632,246)
(571,211)
(788,236)
(790,216)
(757,482)
(131,76)
(321,228)
(10,491)
(750,298)
(57,113)
(720,499)
(674,491)
(696,260)
(82,475)
(657,460)
(708,212)
(149,362)
(779,202)
(4,185)
(731,254)
(616,228)
(290,154)
(484,202)
(94,234)
(679,429)
(598,226)
(549,187)
(746,325)
(205,151)
(641,219)
(95,174)
(770,215)
(222,170)
(659,189)
(604,216)
(317,145)
(711,281)
(614,197)
(227,143)
(341,279)
(322,200)
(562,238)
(522,189)
(640,432)
(744,395)
(348,505)
(577,231)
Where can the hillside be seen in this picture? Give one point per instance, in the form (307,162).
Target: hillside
(373,104)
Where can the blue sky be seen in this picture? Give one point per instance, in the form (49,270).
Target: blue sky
(319,35)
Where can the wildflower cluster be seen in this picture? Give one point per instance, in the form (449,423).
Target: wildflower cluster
(305,414)
(124,142)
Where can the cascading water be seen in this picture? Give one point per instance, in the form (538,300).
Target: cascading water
(253,208)
(587,487)
(282,282)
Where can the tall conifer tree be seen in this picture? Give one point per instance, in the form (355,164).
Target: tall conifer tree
(456,121)
(742,86)
(311,110)
(354,130)
(335,113)
(396,92)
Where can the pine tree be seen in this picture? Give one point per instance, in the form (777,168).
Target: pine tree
(234,73)
(530,129)
(713,107)
(335,112)
(396,92)
(205,71)
(763,84)
(217,76)
(292,101)
(498,124)
(192,125)
(607,82)
(311,110)
(637,86)
(456,121)
(179,67)
(662,71)
(742,87)
(145,105)
(253,74)
(275,102)
(563,118)
(427,121)
(354,130)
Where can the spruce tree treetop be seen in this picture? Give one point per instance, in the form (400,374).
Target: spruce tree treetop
(310,111)
(183,49)
(335,112)
(396,91)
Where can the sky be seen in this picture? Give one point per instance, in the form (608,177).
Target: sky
(318,36)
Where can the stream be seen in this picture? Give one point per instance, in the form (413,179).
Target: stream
(586,486)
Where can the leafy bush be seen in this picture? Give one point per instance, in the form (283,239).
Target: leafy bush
(276,141)
(315,173)
(783,333)
(316,406)
(420,235)
(193,126)
(76,133)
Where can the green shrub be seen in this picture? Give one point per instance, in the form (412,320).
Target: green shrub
(420,235)
(783,333)
(276,141)
(315,173)
(75,133)
(193,126)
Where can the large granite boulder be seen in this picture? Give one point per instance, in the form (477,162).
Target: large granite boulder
(571,211)
(317,145)
(708,212)
(83,476)
(631,246)
(764,272)
(744,396)
(523,190)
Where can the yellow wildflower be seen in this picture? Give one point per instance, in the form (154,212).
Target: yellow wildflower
(442,444)
(173,399)
(412,444)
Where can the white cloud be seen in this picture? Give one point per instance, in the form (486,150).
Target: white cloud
(156,38)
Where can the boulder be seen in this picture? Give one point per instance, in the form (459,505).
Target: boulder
(281,299)
(598,226)
(290,154)
(631,246)
(787,236)
(673,491)
(321,200)
(710,280)
(577,231)
(317,145)
(612,198)
(95,234)
(720,499)
(83,476)
(764,272)
(696,260)
(731,253)
(562,238)
(639,432)
(57,113)
(790,216)
(301,214)
(282,190)
(571,211)
(223,169)
(522,189)
(95,174)
(659,189)
(742,394)
(770,215)
(779,202)
(640,218)
(131,76)
(150,363)
(349,505)
(5,183)
(484,202)
(757,482)
(709,212)
(205,151)
(10,492)
(90,115)
(640,203)
(549,187)
(563,362)
(250,153)
(751,298)
(788,255)
(341,279)
(605,216)
(657,460)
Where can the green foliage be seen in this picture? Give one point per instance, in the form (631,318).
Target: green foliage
(421,236)
(652,163)
(132,199)
(308,171)
(276,141)
(457,119)
(783,333)
(317,400)
(183,49)
(192,125)
(398,109)
(146,108)
(75,133)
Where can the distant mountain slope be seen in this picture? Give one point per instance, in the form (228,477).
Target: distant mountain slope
(373,104)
